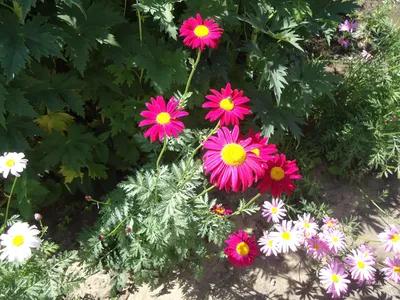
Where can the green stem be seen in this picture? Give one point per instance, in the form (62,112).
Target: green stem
(384,212)
(116,228)
(8,202)
(125,8)
(192,73)
(202,193)
(158,163)
(99,202)
(246,206)
(8,6)
(141,40)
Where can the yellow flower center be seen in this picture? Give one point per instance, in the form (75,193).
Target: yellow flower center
(201,31)
(10,163)
(396,269)
(360,264)
(330,224)
(335,278)
(274,210)
(233,154)
(270,243)
(220,210)
(277,173)
(316,247)
(286,236)
(163,118)
(18,240)
(256,151)
(242,249)
(395,238)
(335,239)
(306,225)
(227,104)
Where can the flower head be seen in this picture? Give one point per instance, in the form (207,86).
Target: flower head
(392,270)
(286,236)
(335,239)
(241,249)
(306,225)
(316,247)
(333,277)
(200,33)
(391,237)
(227,105)
(263,150)
(274,211)
(366,55)
(279,175)
(230,161)
(163,118)
(361,266)
(349,26)
(269,245)
(220,210)
(329,223)
(18,241)
(345,43)
(12,162)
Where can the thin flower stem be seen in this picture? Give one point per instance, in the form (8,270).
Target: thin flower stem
(192,73)
(116,227)
(158,163)
(141,39)
(8,202)
(195,151)
(98,202)
(8,6)
(246,206)
(125,8)
(364,239)
(202,193)
(384,212)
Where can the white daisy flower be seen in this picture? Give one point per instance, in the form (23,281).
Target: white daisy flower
(12,162)
(287,236)
(18,241)
(269,246)
(306,225)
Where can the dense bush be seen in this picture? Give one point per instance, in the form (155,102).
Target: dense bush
(75,75)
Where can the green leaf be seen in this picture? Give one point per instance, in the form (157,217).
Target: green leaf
(58,121)
(17,104)
(3,94)
(26,6)
(97,170)
(275,74)
(70,175)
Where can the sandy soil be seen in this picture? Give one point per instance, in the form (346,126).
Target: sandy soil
(284,277)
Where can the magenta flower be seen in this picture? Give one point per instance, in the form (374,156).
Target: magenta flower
(274,211)
(391,237)
(199,33)
(316,247)
(361,266)
(227,105)
(333,277)
(269,245)
(349,26)
(345,43)
(162,118)
(392,270)
(232,164)
(329,223)
(220,210)
(241,249)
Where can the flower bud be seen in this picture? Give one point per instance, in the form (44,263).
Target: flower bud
(38,216)
(101,238)
(394,118)
(88,198)
(128,229)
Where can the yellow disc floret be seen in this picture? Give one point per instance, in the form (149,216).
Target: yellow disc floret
(163,118)
(277,173)
(227,104)
(10,163)
(396,269)
(242,249)
(233,154)
(335,278)
(18,240)
(360,264)
(395,238)
(286,236)
(274,210)
(201,31)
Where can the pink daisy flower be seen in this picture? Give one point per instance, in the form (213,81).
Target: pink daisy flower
(391,237)
(163,118)
(306,225)
(263,150)
(329,223)
(274,211)
(242,249)
(367,252)
(316,247)
(279,175)
(361,266)
(230,161)
(335,239)
(269,245)
(392,270)
(220,210)
(200,33)
(366,55)
(333,277)
(286,236)
(345,43)
(349,26)
(228,106)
